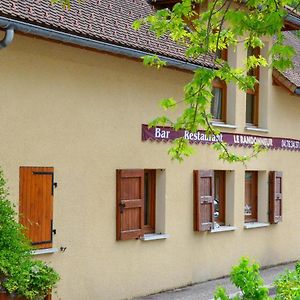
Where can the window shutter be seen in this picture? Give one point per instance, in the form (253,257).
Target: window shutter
(203,200)
(275,197)
(130,204)
(36,204)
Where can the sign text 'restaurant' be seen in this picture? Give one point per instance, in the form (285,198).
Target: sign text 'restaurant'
(232,139)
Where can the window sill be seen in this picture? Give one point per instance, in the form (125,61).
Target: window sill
(154,237)
(223,125)
(223,229)
(255,225)
(256,129)
(44,251)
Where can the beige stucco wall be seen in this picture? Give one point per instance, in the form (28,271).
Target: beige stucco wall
(81,112)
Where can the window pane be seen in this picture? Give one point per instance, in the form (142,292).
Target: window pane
(216,103)
(250,208)
(147,199)
(219,200)
(250,98)
(250,51)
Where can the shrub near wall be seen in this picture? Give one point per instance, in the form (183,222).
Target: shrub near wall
(288,285)
(246,276)
(20,274)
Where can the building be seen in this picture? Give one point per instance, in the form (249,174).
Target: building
(74,99)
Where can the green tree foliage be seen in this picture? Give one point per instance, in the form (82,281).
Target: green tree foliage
(246,277)
(288,285)
(64,3)
(204,28)
(19,273)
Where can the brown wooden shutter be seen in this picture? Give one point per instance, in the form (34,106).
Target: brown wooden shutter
(130,204)
(275,197)
(36,204)
(203,200)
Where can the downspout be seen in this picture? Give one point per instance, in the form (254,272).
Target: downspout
(297,91)
(8,38)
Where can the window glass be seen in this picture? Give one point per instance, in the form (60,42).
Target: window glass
(146,199)
(250,208)
(250,99)
(219,199)
(216,103)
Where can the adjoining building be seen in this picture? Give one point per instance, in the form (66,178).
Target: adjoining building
(101,199)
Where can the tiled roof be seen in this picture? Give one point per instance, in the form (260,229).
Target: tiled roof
(102,20)
(293,75)
(110,21)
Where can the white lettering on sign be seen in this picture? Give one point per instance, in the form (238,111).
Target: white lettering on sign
(290,144)
(200,136)
(160,133)
(251,140)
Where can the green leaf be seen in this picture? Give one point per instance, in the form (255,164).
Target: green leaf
(153,61)
(136,25)
(167,103)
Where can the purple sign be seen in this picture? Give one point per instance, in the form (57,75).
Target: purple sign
(166,134)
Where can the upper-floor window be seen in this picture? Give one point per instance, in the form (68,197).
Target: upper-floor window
(219,91)
(160,4)
(218,102)
(252,96)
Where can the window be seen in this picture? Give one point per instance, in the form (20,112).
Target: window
(209,199)
(263,205)
(219,199)
(252,96)
(218,101)
(149,201)
(223,54)
(160,4)
(137,193)
(219,91)
(36,204)
(275,197)
(250,208)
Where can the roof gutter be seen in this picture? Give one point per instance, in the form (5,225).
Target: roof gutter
(293,19)
(68,38)
(8,38)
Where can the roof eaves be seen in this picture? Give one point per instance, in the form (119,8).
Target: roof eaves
(86,42)
(292,22)
(282,81)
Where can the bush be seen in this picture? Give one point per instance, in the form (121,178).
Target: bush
(246,277)
(19,273)
(288,285)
